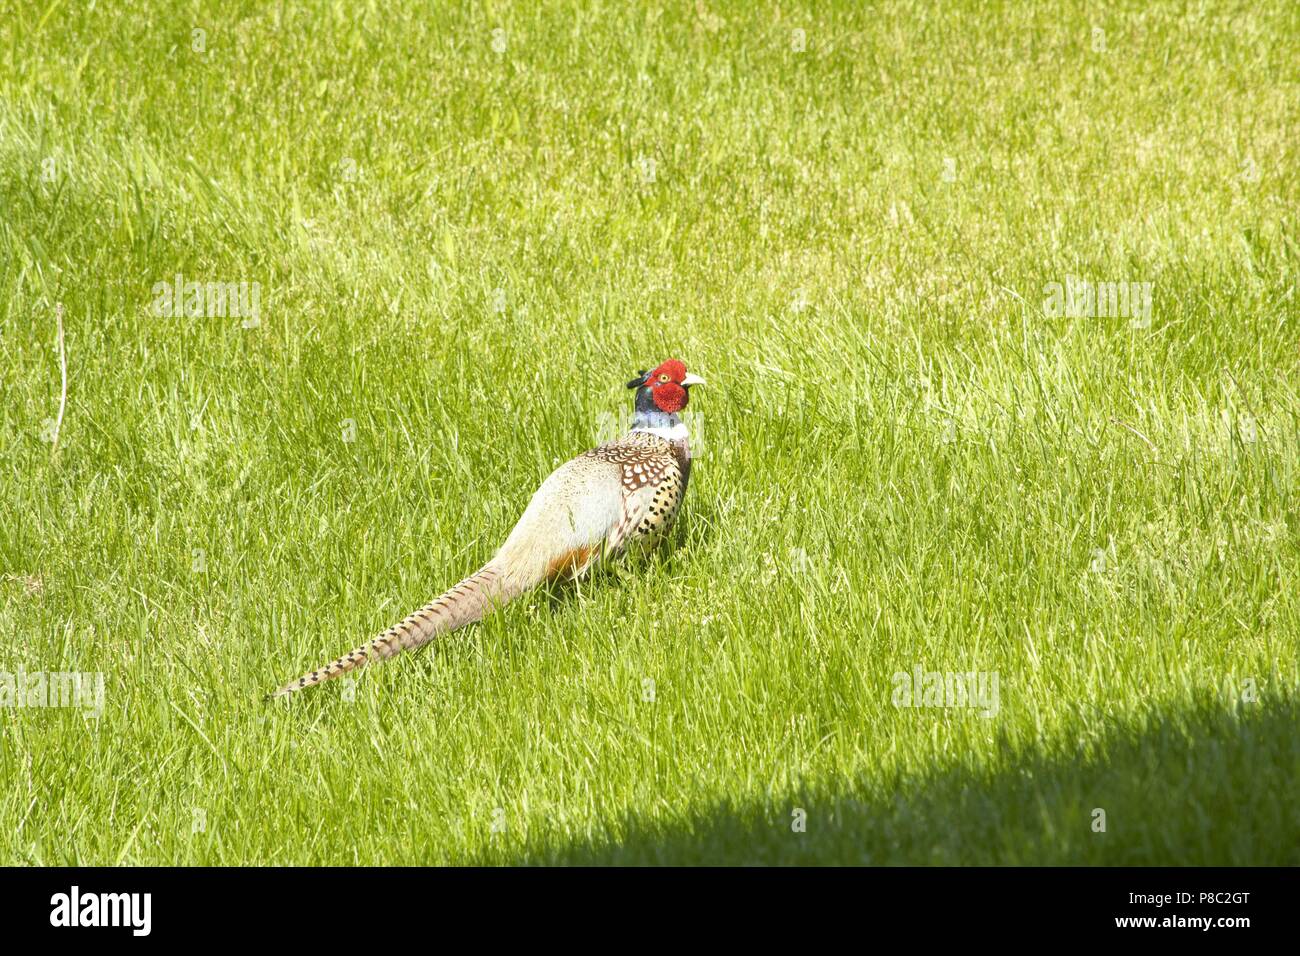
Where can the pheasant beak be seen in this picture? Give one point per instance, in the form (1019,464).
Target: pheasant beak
(690,380)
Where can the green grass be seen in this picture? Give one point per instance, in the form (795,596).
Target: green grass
(904,458)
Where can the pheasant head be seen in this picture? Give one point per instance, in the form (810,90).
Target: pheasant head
(663,390)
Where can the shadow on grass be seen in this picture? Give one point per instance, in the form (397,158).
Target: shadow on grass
(1204,786)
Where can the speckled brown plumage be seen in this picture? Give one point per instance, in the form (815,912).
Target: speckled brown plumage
(653,475)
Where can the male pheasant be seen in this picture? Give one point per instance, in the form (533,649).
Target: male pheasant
(623,493)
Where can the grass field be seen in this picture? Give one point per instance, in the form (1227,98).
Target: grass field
(911,456)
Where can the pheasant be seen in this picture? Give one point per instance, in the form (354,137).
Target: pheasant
(621,494)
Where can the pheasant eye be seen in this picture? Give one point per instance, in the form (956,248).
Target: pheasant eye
(663,378)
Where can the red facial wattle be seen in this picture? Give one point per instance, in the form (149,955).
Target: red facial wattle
(666,388)
(675,369)
(668,396)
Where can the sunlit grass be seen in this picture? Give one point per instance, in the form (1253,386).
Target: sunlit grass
(465,243)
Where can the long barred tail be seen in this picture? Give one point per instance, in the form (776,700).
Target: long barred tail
(465,603)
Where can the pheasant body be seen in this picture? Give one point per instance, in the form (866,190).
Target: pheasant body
(621,494)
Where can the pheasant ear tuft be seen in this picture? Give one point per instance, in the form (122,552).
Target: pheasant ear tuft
(639,380)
